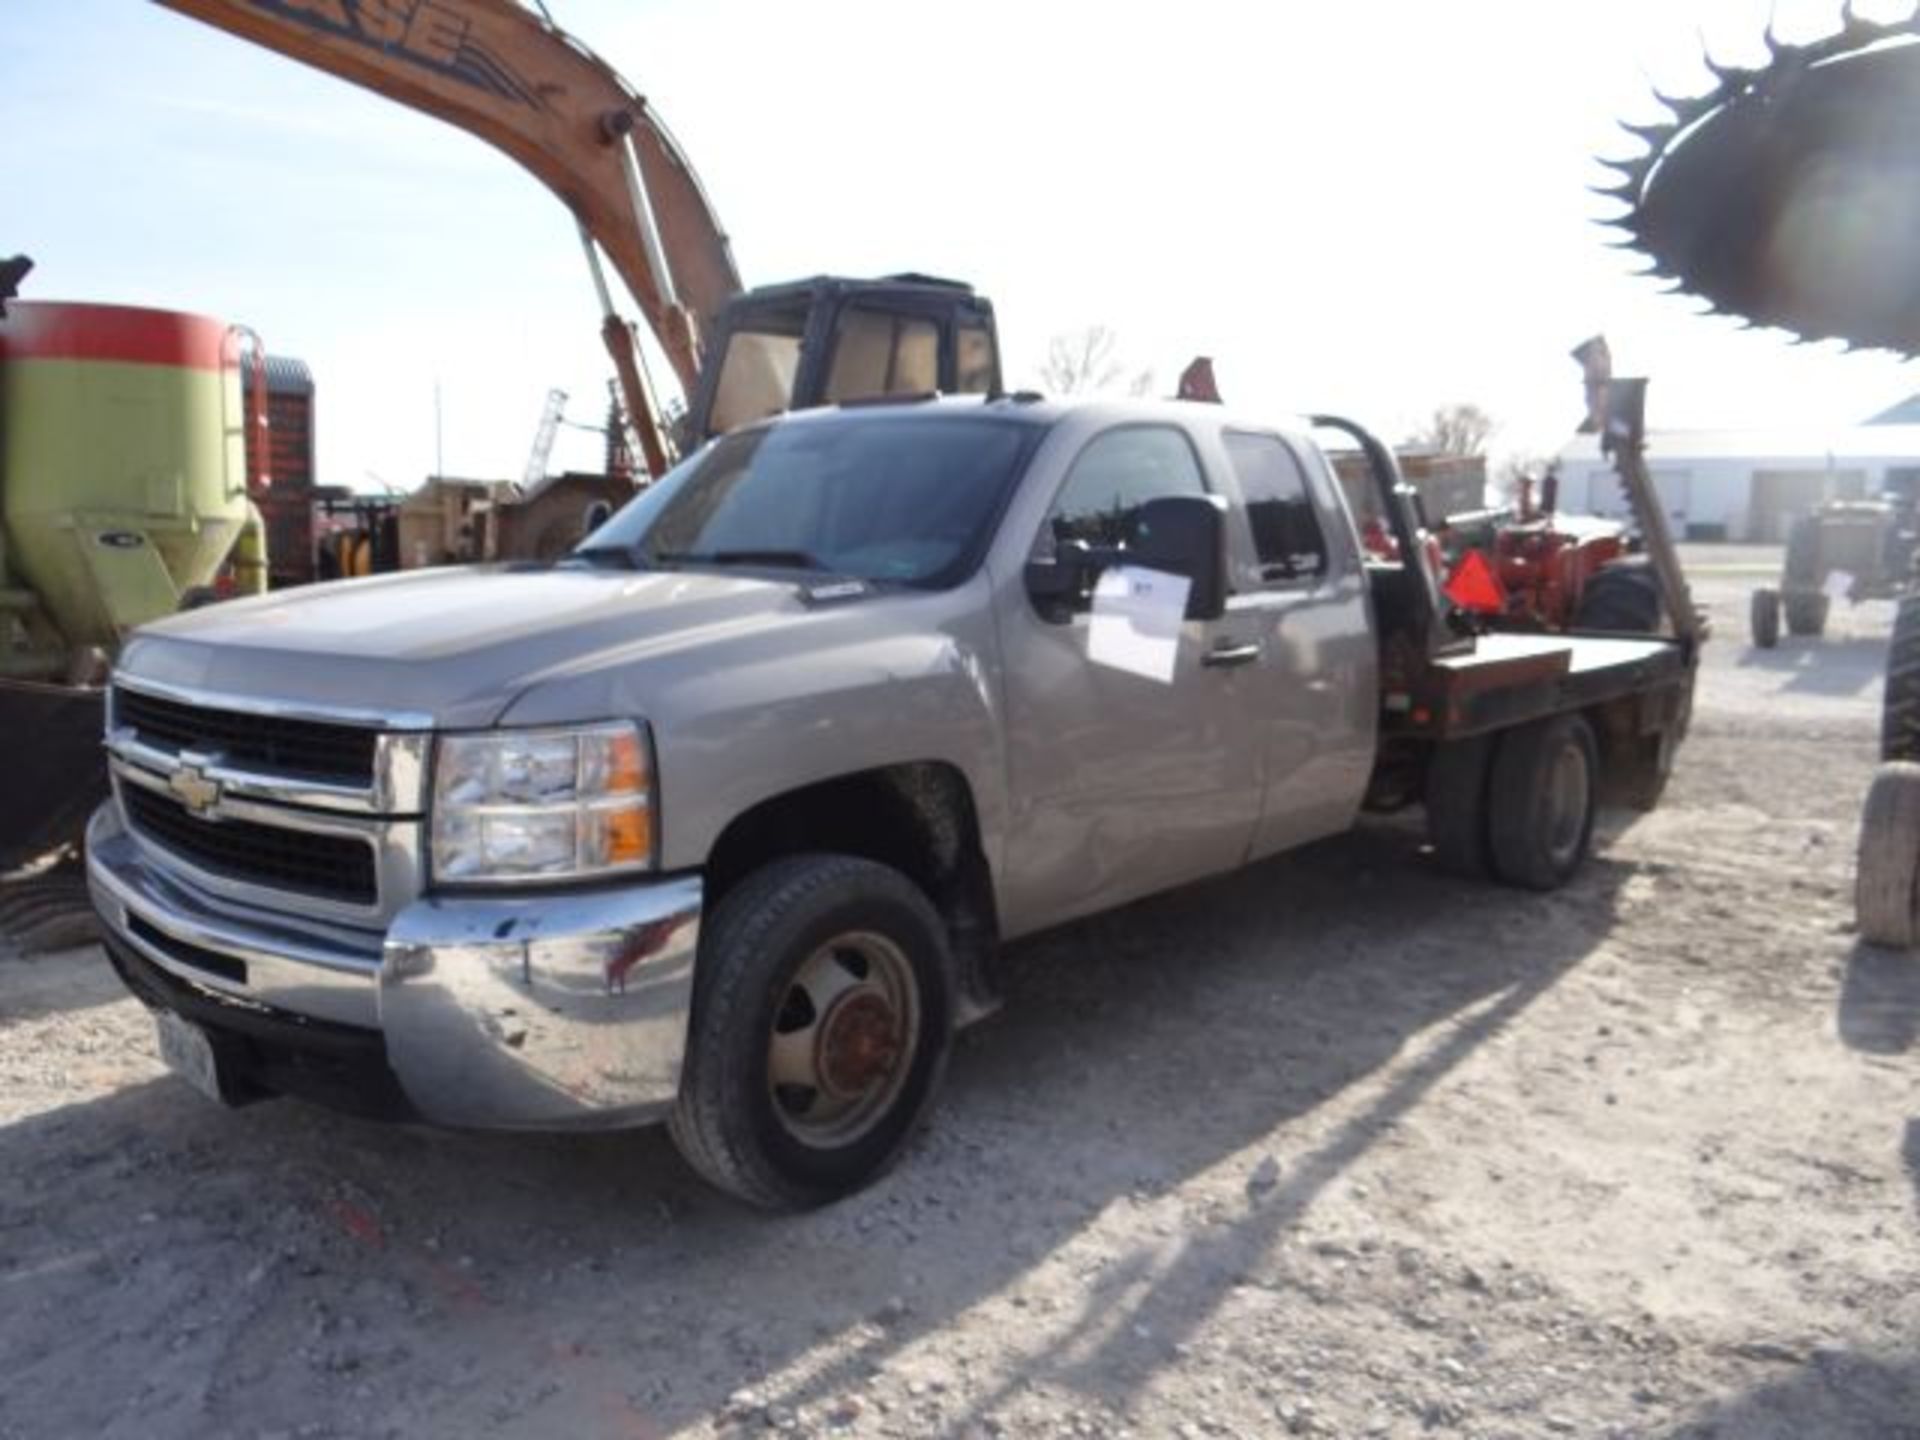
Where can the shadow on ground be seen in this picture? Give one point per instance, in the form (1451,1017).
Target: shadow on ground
(1880,1001)
(32,986)
(278,1265)
(1832,1395)
(1838,666)
(1880,1015)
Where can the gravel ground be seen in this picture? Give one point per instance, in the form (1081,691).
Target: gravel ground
(1332,1147)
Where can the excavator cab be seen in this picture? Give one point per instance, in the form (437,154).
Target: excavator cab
(829,339)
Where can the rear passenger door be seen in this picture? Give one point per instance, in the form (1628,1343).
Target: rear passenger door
(1298,584)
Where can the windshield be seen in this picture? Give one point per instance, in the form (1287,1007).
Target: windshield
(907,500)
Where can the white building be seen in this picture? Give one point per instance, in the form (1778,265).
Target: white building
(1746,484)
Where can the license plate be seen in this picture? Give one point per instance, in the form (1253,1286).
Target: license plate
(188,1053)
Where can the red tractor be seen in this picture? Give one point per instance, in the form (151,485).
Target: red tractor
(1530,568)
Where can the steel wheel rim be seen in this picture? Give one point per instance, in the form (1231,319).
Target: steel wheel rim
(1569,790)
(845,1034)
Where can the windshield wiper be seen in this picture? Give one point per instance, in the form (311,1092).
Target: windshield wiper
(786,559)
(623,556)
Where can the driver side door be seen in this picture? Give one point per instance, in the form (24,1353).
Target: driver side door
(1119,784)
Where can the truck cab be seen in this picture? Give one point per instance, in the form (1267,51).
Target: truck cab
(829,339)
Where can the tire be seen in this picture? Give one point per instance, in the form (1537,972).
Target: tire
(1801,568)
(1623,597)
(1900,707)
(1456,801)
(30,837)
(1764,611)
(1886,890)
(1642,779)
(1807,614)
(846,923)
(1542,798)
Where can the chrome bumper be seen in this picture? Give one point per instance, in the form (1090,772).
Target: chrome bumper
(536,1011)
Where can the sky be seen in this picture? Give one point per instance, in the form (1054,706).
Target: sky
(1374,209)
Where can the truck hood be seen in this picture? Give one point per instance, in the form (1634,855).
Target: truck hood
(454,647)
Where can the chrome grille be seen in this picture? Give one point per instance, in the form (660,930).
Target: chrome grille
(270,743)
(331,867)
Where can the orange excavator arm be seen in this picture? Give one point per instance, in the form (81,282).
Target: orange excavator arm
(503,73)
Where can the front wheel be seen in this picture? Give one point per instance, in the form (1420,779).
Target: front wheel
(822,1017)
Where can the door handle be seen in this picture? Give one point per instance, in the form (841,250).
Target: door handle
(1226,654)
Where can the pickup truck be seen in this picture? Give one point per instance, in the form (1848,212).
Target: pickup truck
(724,819)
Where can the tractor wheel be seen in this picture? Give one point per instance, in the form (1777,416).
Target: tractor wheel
(1623,597)
(1542,800)
(1807,614)
(1801,568)
(822,1016)
(1456,800)
(1765,611)
(1900,709)
(1886,894)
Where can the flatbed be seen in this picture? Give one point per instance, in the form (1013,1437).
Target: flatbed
(1457,694)
(1500,680)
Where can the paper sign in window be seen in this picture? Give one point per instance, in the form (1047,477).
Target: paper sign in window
(1135,626)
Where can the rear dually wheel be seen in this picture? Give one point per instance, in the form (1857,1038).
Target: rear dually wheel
(1542,799)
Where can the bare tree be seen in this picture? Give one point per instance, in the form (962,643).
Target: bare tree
(1087,362)
(1461,428)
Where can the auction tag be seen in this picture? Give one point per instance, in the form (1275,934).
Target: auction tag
(187,1052)
(1137,619)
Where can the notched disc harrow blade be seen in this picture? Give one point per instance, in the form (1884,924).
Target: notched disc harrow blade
(1789,196)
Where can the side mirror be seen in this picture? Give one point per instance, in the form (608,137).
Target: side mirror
(1059,586)
(1180,534)
(1185,535)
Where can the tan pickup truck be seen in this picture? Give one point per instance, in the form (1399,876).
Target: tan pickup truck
(722,820)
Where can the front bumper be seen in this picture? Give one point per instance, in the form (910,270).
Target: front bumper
(537,1011)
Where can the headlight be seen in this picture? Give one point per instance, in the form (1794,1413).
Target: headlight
(541,804)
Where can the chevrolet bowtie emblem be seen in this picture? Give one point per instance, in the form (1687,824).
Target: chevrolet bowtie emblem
(195,789)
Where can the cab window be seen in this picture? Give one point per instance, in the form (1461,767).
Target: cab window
(975,363)
(1115,475)
(756,378)
(879,354)
(1289,546)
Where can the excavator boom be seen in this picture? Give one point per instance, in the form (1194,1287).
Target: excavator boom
(501,72)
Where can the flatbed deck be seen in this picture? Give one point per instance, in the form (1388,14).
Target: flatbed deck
(1499,680)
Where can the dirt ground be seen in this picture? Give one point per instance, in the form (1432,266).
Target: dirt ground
(1333,1147)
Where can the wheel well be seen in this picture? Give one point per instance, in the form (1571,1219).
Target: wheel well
(918,818)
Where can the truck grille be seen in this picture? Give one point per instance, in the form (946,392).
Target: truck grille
(332,867)
(262,742)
